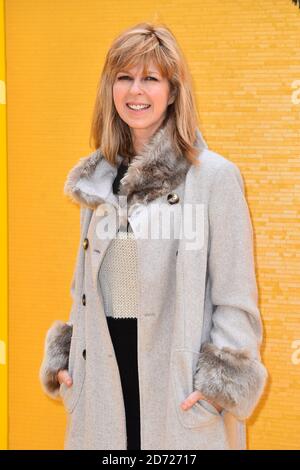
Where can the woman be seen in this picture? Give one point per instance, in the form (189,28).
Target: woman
(161,350)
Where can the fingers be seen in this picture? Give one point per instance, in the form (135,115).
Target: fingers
(191,400)
(64,377)
(194,397)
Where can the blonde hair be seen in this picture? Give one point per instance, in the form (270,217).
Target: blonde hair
(143,43)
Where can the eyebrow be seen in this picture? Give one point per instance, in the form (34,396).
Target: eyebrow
(149,71)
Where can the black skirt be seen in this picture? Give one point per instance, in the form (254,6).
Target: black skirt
(123,332)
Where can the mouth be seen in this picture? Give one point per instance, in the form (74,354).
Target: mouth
(138,110)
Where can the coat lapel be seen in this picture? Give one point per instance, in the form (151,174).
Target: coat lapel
(153,173)
(150,175)
(98,243)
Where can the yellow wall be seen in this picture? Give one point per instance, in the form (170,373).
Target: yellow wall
(3,244)
(245,60)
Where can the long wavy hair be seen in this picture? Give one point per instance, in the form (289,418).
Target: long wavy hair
(143,43)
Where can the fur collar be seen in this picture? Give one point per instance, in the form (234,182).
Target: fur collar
(155,172)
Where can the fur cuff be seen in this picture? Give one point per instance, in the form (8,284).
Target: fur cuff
(56,356)
(231,378)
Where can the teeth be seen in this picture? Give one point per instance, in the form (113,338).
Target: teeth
(133,106)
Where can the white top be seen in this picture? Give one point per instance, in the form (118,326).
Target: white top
(118,276)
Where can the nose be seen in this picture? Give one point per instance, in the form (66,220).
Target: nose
(136,86)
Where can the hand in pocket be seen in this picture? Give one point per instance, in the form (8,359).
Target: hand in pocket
(194,397)
(63,376)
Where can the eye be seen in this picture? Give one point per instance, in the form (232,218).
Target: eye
(122,77)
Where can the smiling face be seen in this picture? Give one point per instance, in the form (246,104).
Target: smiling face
(131,87)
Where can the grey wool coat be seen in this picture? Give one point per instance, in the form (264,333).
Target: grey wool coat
(199,326)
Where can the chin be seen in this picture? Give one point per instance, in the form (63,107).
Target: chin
(140,125)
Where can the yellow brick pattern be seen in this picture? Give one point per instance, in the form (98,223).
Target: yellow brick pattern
(3,245)
(245,61)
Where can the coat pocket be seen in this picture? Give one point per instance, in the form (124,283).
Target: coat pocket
(77,359)
(202,413)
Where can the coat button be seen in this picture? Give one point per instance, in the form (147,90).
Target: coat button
(84,354)
(85,243)
(173,198)
(83,299)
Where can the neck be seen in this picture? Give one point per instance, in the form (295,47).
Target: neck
(140,137)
